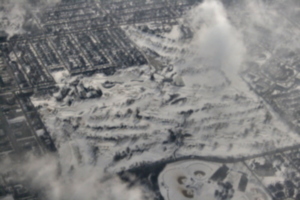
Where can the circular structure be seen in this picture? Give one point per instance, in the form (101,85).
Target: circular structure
(187,180)
(194,180)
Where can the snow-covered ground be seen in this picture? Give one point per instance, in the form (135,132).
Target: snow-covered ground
(188,101)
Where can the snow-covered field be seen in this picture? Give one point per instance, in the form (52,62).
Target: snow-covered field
(190,100)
